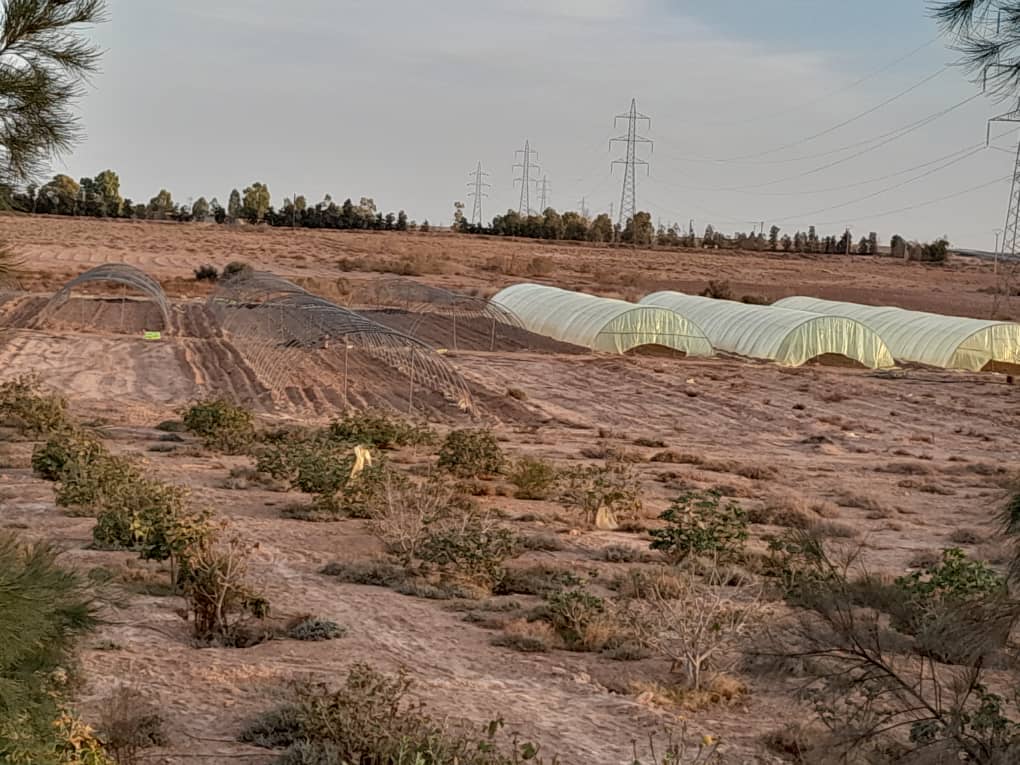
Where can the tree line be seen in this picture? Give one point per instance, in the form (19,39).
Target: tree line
(639,231)
(100,197)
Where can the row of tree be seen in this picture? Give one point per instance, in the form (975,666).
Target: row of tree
(573,226)
(100,197)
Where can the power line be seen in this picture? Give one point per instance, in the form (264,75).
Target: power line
(628,199)
(808,215)
(526,166)
(583,207)
(839,91)
(844,123)
(928,203)
(844,160)
(909,127)
(478,193)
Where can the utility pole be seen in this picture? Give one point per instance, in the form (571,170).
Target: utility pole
(998,233)
(543,195)
(628,198)
(611,208)
(849,241)
(479,186)
(527,167)
(583,207)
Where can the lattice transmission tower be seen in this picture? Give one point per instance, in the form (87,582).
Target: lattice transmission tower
(527,167)
(478,186)
(543,194)
(628,200)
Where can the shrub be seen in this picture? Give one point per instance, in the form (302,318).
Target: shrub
(129,724)
(311,464)
(207,273)
(952,582)
(471,454)
(373,573)
(217,590)
(695,627)
(32,410)
(235,268)
(315,630)
(610,489)
(470,550)
(51,458)
(405,513)
(381,430)
(699,523)
(528,637)
(538,580)
(221,425)
(533,478)
(370,719)
(44,609)
(720,290)
(576,615)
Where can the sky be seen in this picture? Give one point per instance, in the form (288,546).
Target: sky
(399,101)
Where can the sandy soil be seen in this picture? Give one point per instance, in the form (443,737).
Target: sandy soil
(904,459)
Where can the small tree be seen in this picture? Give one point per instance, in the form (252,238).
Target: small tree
(864,246)
(774,238)
(601,229)
(898,247)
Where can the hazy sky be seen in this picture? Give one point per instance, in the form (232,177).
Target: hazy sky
(399,99)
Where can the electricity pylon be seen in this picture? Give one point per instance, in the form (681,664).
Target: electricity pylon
(478,193)
(628,199)
(526,166)
(543,194)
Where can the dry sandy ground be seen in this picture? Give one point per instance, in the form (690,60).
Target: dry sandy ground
(905,459)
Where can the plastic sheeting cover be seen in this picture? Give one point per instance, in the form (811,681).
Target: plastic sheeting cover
(949,342)
(786,336)
(602,324)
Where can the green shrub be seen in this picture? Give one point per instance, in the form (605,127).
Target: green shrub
(314,465)
(533,478)
(538,580)
(471,454)
(381,430)
(52,457)
(221,425)
(32,411)
(954,581)
(612,487)
(372,573)
(471,551)
(95,482)
(315,630)
(371,719)
(699,523)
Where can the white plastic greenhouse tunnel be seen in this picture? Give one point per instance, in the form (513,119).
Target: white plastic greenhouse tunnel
(782,335)
(602,324)
(948,342)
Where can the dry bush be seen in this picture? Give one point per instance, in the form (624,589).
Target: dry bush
(650,443)
(217,588)
(967,536)
(128,724)
(584,621)
(373,573)
(757,472)
(372,718)
(538,580)
(542,542)
(621,554)
(698,628)
(675,458)
(404,512)
(528,636)
(645,583)
(864,502)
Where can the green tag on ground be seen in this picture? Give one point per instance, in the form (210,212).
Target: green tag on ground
(153,335)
